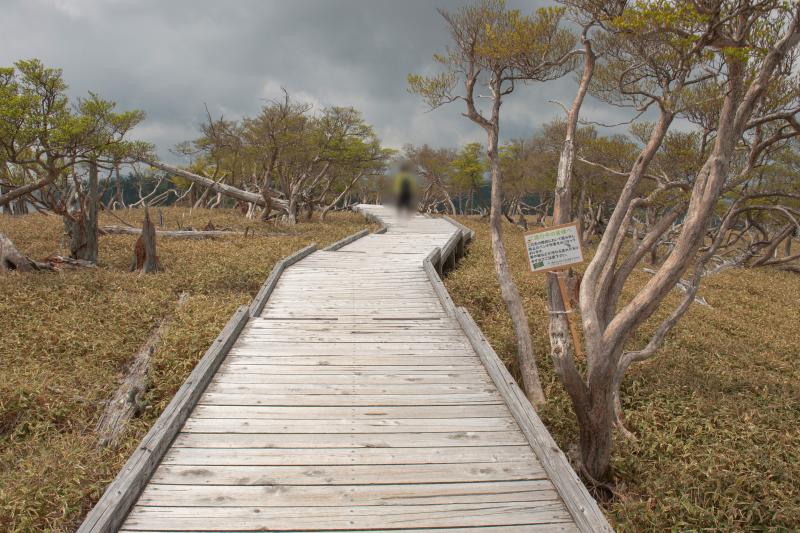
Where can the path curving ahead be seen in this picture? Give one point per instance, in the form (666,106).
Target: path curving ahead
(354,402)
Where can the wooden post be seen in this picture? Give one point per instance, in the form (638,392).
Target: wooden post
(562,286)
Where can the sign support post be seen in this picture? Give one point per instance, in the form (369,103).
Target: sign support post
(573,329)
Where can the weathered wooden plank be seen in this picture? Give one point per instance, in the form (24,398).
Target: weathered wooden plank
(330,361)
(354,338)
(351,399)
(263,365)
(332,475)
(336,322)
(322,414)
(356,440)
(279,349)
(159,495)
(326,389)
(257,305)
(383,425)
(231,375)
(583,508)
(344,518)
(438,286)
(347,456)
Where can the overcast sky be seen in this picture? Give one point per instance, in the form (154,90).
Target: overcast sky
(172,57)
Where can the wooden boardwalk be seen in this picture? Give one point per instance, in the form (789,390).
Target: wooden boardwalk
(355,402)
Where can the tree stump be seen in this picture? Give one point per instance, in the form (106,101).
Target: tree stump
(145,258)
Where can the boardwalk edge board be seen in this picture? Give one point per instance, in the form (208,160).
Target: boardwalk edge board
(110,511)
(582,506)
(347,240)
(258,303)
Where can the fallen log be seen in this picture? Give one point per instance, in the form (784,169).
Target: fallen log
(58,262)
(12,260)
(227,190)
(194,234)
(127,401)
(175,234)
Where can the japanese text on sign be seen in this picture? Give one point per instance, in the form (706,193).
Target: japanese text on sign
(554,248)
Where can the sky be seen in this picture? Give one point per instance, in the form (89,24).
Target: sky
(172,58)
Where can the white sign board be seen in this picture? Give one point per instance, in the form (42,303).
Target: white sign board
(554,248)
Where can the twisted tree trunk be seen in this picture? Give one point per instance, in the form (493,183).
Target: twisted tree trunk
(82,225)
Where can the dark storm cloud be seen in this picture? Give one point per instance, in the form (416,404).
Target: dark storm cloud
(170,58)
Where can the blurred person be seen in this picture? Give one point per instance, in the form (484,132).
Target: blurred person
(404,190)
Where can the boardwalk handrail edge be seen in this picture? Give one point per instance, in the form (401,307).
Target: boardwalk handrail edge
(581,505)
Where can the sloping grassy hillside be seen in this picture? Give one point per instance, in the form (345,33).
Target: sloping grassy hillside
(716,413)
(66,338)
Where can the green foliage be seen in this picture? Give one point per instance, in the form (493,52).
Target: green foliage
(290,148)
(496,46)
(39,128)
(469,168)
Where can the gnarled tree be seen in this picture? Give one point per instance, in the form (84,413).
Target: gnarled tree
(660,58)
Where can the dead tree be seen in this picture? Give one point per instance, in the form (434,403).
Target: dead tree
(227,190)
(174,234)
(145,258)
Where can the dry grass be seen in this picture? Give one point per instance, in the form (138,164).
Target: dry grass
(67,338)
(717,412)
